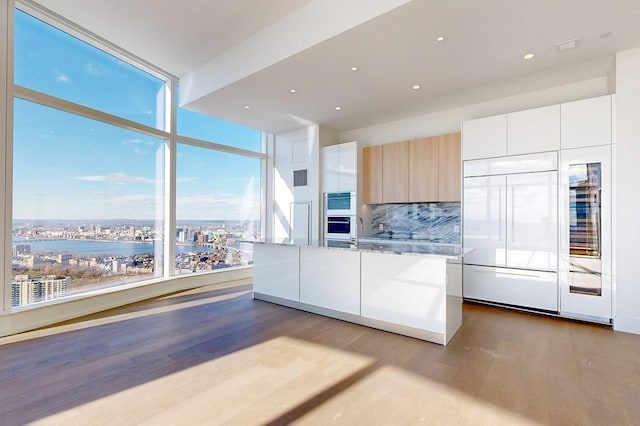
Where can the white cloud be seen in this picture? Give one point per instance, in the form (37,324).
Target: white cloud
(132,141)
(117,178)
(90,68)
(139,151)
(186,179)
(61,77)
(134,198)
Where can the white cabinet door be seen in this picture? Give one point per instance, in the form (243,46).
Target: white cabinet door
(484,137)
(330,279)
(405,290)
(532,221)
(348,166)
(587,122)
(331,168)
(275,271)
(532,289)
(484,220)
(533,130)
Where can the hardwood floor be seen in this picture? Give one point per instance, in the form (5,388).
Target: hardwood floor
(215,356)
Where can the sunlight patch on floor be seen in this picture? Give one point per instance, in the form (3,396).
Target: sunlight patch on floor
(250,386)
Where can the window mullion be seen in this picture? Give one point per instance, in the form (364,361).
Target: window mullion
(6,139)
(71,107)
(170,179)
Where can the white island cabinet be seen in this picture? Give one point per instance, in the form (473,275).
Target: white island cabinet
(276,271)
(415,290)
(412,291)
(335,287)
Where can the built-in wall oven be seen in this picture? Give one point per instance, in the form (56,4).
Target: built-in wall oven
(340,216)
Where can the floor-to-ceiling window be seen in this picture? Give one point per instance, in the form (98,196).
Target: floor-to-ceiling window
(92,202)
(218,175)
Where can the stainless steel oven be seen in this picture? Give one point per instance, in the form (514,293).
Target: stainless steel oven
(340,204)
(340,228)
(340,216)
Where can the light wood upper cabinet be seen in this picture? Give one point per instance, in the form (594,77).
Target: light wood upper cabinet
(423,170)
(420,170)
(449,167)
(395,173)
(372,174)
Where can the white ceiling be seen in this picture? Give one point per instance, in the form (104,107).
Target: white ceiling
(480,59)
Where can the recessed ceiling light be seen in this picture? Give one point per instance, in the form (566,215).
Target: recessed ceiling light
(354,68)
(247,106)
(528,56)
(292,90)
(440,38)
(338,108)
(415,86)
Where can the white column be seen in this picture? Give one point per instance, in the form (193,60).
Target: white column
(6,156)
(627,208)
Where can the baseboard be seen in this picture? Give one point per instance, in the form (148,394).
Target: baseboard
(416,333)
(626,325)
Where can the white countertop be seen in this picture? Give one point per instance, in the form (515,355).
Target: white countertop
(447,251)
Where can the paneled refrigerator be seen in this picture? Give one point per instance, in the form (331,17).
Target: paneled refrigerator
(510,223)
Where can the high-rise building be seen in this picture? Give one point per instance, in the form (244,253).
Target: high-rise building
(26,289)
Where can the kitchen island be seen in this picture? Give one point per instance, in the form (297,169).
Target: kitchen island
(409,289)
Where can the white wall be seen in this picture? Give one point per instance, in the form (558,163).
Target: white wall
(449,121)
(627,278)
(286,157)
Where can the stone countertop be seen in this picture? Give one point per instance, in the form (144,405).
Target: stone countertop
(452,252)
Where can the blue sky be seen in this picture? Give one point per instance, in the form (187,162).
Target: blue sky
(70,167)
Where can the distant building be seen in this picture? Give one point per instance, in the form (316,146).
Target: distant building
(118,266)
(21,249)
(26,289)
(34,262)
(63,258)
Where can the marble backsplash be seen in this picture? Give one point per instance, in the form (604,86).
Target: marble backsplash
(434,222)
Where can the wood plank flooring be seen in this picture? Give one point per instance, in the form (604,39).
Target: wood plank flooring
(215,356)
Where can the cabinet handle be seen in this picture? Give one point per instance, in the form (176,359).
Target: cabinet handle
(516,274)
(500,214)
(513,213)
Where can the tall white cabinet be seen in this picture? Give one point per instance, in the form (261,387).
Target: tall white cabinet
(340,165)
(520,204)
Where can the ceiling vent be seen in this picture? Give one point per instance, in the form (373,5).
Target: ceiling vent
(566,45)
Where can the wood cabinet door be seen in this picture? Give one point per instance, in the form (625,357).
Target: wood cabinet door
(449,167)
(423,170)
(395,172)
(372,174)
